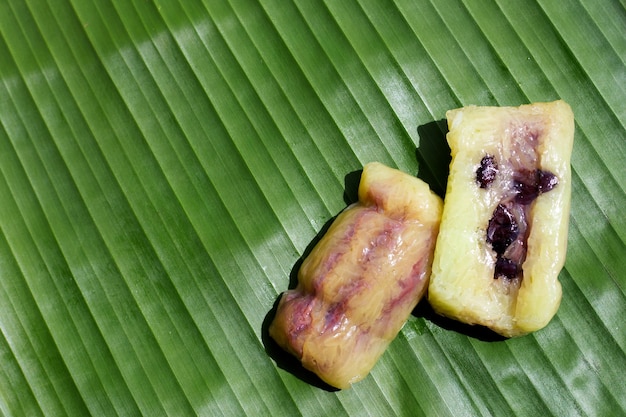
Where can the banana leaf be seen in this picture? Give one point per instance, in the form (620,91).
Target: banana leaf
(164,167)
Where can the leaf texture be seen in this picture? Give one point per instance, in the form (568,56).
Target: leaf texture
(165,165)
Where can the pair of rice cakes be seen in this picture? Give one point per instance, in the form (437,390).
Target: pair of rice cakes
(490,256)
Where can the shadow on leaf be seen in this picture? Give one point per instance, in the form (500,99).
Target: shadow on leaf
(424,310)
(433,155)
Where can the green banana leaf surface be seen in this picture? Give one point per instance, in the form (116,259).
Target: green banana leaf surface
(165,165)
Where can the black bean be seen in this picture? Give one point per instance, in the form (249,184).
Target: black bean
(547,181)
(525,184)
(529,184)
(486,172)
(502,229)
(505,268)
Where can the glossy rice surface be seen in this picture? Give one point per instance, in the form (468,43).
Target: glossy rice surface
(360,283)
(537,138)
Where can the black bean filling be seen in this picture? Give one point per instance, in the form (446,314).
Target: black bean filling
(486,172)
(507,229)
(547,181)
(502,229)
(529,184)
(507,268)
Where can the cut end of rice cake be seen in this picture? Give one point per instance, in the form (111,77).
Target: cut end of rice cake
(463,283)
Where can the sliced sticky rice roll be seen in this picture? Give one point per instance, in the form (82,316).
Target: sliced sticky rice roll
(504,228)
(359,284)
